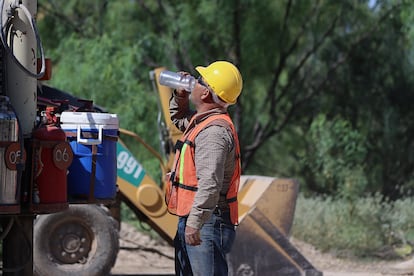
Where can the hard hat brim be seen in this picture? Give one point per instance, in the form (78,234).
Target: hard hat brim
(201,70)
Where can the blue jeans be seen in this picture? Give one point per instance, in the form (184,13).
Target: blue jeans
(208,258)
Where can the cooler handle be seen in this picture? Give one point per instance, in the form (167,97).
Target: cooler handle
(87,141)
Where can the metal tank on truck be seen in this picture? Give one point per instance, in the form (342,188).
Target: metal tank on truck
(83,240)
(9,150)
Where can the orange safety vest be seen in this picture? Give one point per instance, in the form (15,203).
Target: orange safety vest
(182,183)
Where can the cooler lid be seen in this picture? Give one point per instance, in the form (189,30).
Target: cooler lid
(89,118)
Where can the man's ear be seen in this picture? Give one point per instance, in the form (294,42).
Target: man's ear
(206,94)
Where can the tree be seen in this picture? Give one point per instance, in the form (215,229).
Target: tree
(299,59)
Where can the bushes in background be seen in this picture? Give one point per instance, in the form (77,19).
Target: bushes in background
(364,227)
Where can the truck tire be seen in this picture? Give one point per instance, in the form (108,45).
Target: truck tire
(82,240)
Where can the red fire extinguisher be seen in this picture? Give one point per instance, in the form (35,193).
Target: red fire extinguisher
(52,157)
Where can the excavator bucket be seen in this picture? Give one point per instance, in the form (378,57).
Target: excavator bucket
(262,247)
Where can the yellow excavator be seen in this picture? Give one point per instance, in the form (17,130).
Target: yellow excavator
(83,240)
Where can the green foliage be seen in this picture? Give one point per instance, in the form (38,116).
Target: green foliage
(335,157)
(344,60)
(367,227)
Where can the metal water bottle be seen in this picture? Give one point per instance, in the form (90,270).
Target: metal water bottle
(177,80)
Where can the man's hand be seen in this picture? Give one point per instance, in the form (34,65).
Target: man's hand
(192,236)
(181,93)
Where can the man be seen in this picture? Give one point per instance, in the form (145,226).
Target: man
(204,181)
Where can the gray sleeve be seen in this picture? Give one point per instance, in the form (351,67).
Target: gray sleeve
(212,147)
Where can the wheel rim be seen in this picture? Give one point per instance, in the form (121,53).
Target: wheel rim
(71,243)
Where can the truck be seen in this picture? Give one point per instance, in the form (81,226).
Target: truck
(84,238)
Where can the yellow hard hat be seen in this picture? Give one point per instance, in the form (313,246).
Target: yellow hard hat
(224,79)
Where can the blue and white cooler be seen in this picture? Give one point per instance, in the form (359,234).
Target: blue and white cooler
(92,137)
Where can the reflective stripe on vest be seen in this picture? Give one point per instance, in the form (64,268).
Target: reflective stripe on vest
(182,154)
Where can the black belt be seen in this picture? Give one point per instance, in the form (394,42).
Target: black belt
(220,211)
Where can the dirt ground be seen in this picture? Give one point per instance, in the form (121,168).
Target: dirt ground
(141,255)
